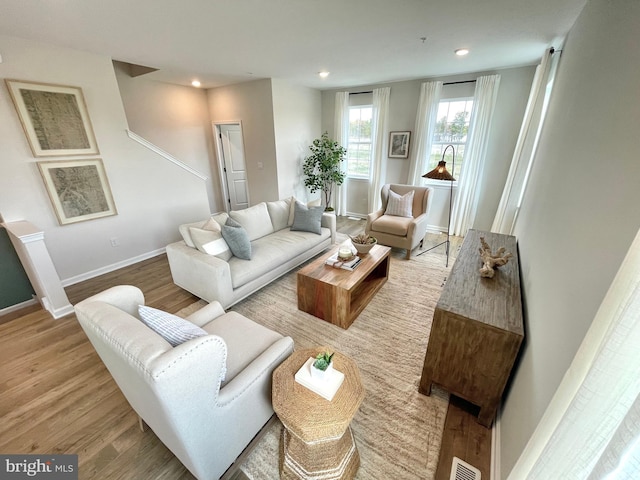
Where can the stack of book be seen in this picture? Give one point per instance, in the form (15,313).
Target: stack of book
(336,262)
(326,388)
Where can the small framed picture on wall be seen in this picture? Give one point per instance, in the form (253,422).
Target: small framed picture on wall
(399,144)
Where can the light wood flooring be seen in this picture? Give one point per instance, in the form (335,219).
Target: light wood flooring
(57,397)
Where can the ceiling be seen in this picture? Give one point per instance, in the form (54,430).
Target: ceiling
(361,42)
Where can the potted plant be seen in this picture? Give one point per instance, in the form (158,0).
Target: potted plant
(322,167)
(363,242)
(322,366)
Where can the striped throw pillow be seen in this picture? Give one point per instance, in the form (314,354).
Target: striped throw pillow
(400,205)
(172,328)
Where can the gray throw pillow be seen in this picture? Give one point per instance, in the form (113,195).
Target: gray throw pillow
(237,239)
(307,219)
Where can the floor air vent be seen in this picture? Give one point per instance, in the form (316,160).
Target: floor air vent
(463,471)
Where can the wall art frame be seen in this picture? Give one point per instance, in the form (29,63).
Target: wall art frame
(54,118)
(78,189)
(399,144)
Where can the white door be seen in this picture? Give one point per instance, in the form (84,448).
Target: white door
(234,172)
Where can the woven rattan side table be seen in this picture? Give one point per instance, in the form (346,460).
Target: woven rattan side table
(317,440)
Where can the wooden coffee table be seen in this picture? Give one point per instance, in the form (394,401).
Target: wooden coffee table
(317,441)
(338,296)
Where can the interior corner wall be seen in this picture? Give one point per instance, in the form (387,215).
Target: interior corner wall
(296,113)
(251,104)
(515,84)
(176,119)
(152,196)
(580,211)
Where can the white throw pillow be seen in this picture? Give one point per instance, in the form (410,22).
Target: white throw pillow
(172,328)
(211,242)
(280,211)
(400,205)
(255,220)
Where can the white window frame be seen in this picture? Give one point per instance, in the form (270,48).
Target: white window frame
(443,144)
(350,143)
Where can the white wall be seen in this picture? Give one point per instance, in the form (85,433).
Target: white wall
(403,104)
(251,104)
(296,113)
(580,213)
(152,196)
(176,119)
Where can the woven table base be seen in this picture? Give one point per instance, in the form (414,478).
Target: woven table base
(327,460)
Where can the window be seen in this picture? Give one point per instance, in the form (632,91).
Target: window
(451,129)
(359,148)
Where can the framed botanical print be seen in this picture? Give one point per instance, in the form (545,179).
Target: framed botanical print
(78,189)
(399,144)
(54,118)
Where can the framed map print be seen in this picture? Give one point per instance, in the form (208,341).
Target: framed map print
(54,118)
(78,189)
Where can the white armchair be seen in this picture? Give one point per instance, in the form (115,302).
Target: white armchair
(401,231)
(179,391)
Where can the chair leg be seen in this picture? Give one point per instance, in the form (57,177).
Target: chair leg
(143,426)
(408,257)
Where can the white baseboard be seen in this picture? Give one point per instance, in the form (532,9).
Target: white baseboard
(18,306)
(110,268)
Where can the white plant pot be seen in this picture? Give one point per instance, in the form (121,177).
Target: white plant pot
(321,374)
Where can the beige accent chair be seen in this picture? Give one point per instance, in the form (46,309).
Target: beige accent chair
(181,393)
(401,232)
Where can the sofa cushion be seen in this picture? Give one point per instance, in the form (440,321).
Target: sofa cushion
(280,212)
(392,225)
(211,242)
(245,340)
(400,205)
(307,219)
(172,328)
(255,220)
(270,252)
(237,239)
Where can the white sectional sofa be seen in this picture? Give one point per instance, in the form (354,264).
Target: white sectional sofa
(282,235)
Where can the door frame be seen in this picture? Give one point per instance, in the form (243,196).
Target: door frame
(222,179)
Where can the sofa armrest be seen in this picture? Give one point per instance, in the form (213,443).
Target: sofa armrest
(372,217)
(418,226)
(206,314)
(328,220)
(261,367)
(206,276)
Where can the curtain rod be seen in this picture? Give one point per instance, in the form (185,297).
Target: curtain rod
(447,83)
(456,83)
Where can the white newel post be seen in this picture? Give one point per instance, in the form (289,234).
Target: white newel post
(28,241)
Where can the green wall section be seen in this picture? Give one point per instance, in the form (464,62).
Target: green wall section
(14,284)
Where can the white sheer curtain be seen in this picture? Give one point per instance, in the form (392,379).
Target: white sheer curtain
(425,126)
(527,143)
(341,135)
(466,201)
(591,428)
(379,145)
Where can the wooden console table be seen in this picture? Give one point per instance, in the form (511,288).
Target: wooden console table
(477,328)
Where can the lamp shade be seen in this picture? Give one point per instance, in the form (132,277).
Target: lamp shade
(440,172)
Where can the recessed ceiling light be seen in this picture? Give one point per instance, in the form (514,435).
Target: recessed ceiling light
(461,52)
(323,74)
(195,83)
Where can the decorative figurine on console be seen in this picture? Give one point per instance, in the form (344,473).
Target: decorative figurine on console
(490,260)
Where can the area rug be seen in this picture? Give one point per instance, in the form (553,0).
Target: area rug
(397,430)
